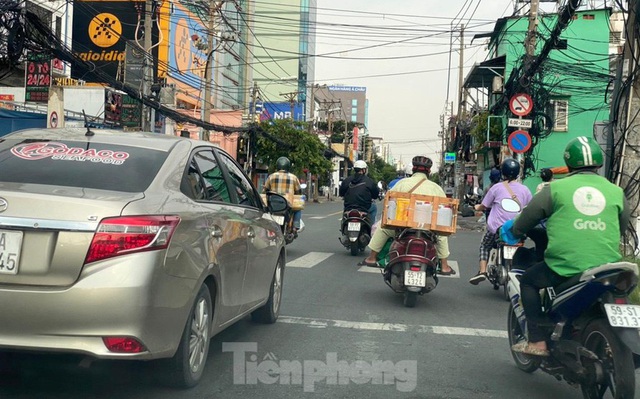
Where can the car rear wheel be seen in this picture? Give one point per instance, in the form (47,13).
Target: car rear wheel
(185,368)
(269,312)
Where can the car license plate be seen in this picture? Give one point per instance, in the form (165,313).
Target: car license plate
(415,279)
(354,226)
(10,246)
(623,315)
(508,252)
(279,219)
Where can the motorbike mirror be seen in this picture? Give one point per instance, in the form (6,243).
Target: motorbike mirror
(510,205)
(480,192)
(276,202)
(303,186)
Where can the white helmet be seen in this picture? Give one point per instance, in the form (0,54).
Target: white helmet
(360,164)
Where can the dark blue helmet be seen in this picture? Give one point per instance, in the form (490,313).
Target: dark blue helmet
(495,175)
(510,169)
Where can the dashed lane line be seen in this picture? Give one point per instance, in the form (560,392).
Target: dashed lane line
(393,327)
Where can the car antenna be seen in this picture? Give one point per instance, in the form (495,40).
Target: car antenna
(89,132)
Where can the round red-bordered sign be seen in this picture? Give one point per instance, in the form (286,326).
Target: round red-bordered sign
(521,104)
(53,120)
(519,141)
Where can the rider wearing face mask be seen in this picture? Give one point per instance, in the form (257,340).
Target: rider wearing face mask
(586,215)
(509,190)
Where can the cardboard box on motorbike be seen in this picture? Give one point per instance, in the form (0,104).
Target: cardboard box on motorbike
(427,212)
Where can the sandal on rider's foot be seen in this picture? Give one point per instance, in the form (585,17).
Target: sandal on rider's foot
(451,272)
(370,264)
(525,348)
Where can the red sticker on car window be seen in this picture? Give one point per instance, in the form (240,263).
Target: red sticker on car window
(59,151)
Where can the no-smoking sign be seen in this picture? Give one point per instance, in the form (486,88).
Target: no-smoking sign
(521,104)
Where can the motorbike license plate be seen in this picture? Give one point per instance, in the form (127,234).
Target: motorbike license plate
(508,252)
(10,251)
(354,226)
(279,219)
(623,315)
(415,279)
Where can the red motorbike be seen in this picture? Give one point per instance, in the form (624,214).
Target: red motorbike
(412,264)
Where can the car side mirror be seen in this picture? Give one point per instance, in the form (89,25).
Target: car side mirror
(276,202)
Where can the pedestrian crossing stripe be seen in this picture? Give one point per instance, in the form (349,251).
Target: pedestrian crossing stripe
(309,260)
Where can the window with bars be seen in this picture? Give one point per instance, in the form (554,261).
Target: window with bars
(560,115)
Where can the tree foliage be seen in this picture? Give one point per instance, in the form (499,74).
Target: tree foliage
(479,129)
(305,150)
(380,170)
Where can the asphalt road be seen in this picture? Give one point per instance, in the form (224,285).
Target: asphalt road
(342,334)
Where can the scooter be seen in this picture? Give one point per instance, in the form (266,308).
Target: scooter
(412,264)
(594,339)
(356,231)
(499,265)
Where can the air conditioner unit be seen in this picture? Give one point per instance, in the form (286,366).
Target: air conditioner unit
(496,86)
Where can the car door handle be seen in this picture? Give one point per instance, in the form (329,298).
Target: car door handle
(216,232)
(251,233)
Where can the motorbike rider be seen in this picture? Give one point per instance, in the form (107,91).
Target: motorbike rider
(401,175)
(283,182)
(509,189)
(586,215)
(546,175)
(420,184)
(360,191)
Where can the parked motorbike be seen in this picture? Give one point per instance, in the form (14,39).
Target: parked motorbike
(499,265)
(412,265)
(356,230)
(593,331)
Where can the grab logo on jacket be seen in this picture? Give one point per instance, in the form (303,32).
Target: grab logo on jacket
(589,201)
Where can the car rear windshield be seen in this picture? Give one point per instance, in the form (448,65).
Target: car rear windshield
(77,164)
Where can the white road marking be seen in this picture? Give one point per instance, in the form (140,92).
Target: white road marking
(452,263)
(326,216)
(309,260)
(355,325)
(370,269)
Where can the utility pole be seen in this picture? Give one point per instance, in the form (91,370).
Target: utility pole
(291,98)
(629,128)
(211,48)
(530,41)
(458,182)
(147,80)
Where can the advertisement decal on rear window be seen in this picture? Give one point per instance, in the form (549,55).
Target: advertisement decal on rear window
(59,151)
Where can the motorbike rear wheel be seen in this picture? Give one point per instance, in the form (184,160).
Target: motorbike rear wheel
(618,371)
(410,299)
(526,363)
(355,248)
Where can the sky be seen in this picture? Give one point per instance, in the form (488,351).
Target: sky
(404,37)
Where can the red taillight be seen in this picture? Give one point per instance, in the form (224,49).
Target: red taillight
(123,344)
(354,213)
(415,268)
(418,248)
(122,235)
(620,301)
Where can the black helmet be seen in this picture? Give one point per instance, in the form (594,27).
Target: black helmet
(510,169)
(283,163)
(546,174)
(421,164)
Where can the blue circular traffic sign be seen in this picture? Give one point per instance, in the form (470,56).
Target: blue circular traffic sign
(519,141)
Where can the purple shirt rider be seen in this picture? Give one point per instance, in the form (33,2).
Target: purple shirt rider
(498,216)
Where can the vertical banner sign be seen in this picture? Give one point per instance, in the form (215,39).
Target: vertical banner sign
(355,138)
(38,78)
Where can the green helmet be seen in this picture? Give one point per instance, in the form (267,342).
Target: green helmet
(283,163)
(583,152)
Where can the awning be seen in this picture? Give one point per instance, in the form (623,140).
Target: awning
(481,75)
